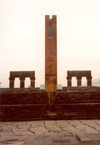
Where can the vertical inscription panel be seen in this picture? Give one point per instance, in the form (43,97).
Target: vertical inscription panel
(50,53)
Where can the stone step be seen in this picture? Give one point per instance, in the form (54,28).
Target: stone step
(40,111)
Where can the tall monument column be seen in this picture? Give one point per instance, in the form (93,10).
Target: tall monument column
(50,53)
(51,57)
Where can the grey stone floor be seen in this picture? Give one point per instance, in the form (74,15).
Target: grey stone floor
(16,133)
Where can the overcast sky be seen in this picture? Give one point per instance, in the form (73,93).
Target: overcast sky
(22,44)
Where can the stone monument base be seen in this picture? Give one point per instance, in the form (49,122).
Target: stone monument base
(32,104)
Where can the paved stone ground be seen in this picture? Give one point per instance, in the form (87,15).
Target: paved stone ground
(16,133)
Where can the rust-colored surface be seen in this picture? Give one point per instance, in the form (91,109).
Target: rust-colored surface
(50,53)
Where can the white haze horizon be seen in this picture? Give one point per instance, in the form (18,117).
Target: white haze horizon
(22,38)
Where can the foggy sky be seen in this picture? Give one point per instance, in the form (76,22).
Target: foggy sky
(22,37)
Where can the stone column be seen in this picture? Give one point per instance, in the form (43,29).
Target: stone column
(32,82)
(69,84)
(11,82)
(22,80)
(79,81)
(89,82)
(50,53)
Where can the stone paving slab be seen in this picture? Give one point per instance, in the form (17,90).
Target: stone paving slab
(16,133)
(63,140)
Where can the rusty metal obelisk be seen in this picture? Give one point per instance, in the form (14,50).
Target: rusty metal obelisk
(50,53)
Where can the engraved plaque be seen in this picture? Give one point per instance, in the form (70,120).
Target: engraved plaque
(50,31)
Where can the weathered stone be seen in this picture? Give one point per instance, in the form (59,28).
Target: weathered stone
(62,140)
(50,53)
(40,140)
(22,132)
(83,137)
(22,75)
(60,131)
(39,130)
(79,75)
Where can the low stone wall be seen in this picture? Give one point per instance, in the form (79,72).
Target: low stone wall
(32,104)
(23,98)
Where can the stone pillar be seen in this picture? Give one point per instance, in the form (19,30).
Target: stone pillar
(22,80)
(69,83)
(32,82)
(50,53)
(89,82)
(79,81)
(11,83)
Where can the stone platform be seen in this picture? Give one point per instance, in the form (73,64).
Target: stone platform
(32,104)
(59,132)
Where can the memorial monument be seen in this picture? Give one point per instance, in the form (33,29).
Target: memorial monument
(50,58)
(50,103)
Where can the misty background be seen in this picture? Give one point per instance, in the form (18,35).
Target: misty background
(22,38)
